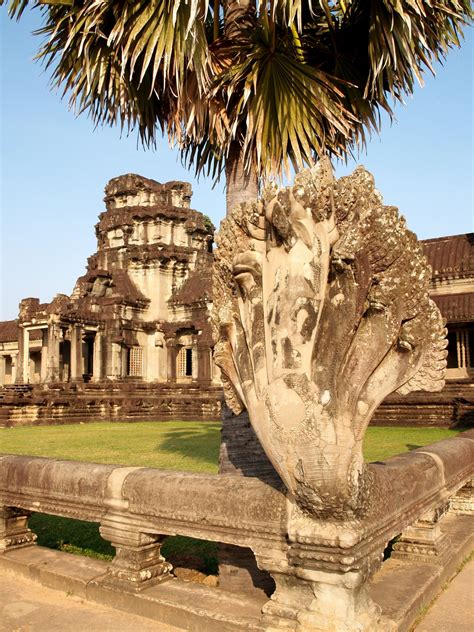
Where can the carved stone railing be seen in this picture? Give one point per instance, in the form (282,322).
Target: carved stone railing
(320,566)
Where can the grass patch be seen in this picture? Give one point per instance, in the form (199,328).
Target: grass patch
(72,536)
(191,446)
(175,445)
(169,445)
(381,443)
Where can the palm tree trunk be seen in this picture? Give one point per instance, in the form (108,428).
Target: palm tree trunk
(241,185)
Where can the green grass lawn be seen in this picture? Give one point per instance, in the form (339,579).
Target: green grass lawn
(174,445)
(192,446)
(170,445)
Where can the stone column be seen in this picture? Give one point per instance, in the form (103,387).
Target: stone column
(23,368)
(44,355)
(114,361)
(172,354)
(76,354)
(2,369)
(204,365)
(14,367)
(97,358)
(424,539)
(194,362)
(53,353)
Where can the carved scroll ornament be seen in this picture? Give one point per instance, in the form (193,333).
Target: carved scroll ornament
(321,310)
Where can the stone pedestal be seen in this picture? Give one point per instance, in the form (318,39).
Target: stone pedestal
(424,539)
(321,601)
(138,562)
(14,531)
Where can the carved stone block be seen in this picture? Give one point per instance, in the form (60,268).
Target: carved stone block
(321,310)
(138,562)
(424,539)
(317,600)
(14,531)
(463,501)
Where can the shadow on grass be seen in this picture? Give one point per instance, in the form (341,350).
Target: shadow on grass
(412,446)
(201,443)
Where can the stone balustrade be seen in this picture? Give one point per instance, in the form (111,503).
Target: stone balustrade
(308,557)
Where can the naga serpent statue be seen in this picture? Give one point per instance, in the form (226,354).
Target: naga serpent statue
(321,310)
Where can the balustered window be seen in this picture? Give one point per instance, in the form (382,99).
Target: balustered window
(185,362)
(135,362)
(461,349)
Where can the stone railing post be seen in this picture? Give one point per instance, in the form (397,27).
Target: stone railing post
(14,531)
(424,539)
(138,562)
(322,578)
(463,501)
(321,594)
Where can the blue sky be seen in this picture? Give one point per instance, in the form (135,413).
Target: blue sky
(54,167)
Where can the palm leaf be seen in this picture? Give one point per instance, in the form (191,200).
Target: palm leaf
(288,80)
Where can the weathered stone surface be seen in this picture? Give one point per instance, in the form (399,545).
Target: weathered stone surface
(108,401)
(320,566)
(463,501)
(321,310)
(14,531)
(49,486)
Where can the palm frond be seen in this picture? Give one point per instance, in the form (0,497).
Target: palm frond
(288,80)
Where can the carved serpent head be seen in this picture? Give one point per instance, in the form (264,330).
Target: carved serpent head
(321,310)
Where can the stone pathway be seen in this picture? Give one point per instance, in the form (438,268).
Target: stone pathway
(26,606)
(453,610)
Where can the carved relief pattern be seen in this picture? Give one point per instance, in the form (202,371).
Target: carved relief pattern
(321,310)
(14,531)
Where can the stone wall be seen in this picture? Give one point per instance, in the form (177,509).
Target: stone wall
(453,407)
(412,495)
(107,401)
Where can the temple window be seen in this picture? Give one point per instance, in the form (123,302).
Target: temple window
(185,361)
(460,349)
(135,362)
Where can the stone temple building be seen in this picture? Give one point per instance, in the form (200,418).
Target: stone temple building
(137,320)
(452,288)
(133,340)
